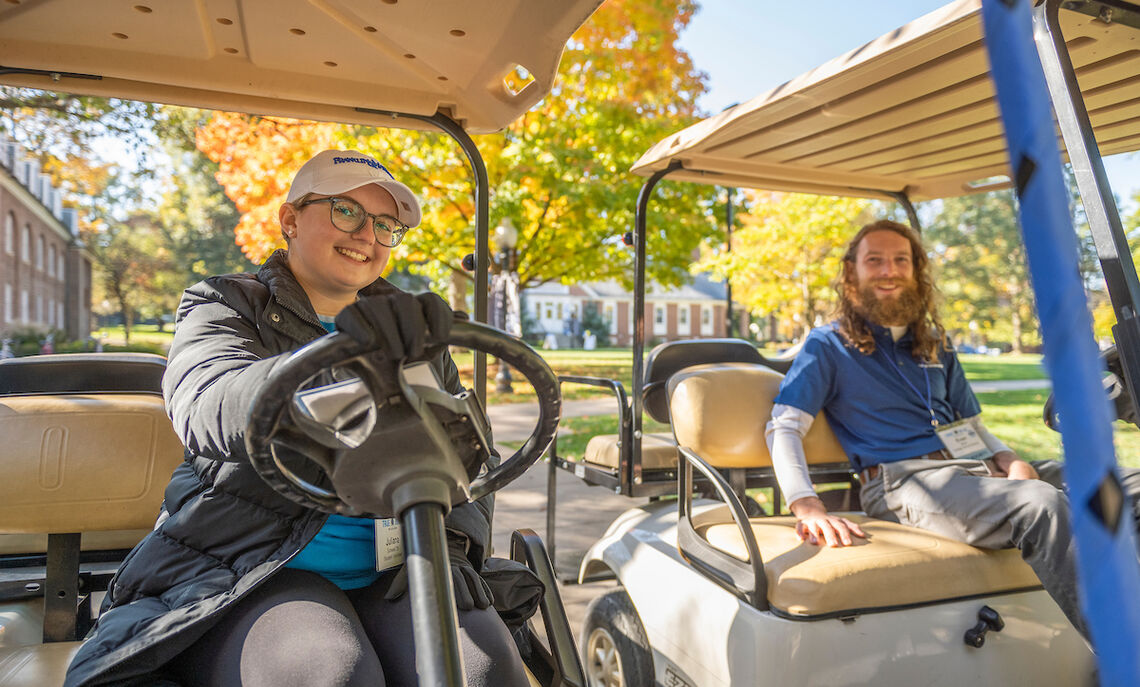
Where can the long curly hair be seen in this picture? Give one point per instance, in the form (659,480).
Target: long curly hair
(929,334)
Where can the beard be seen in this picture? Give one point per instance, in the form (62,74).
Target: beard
(904,309)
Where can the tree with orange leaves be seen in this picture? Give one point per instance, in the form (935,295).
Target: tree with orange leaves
(560,172)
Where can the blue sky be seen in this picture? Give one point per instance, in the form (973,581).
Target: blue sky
(750,46)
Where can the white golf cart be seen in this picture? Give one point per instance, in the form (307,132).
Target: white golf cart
(87,448)
(711,594)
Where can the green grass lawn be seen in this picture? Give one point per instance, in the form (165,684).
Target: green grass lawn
(987,368)
(617,363)
(144,334)
(1013,416)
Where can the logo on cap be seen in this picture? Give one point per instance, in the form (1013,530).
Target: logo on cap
(364,161)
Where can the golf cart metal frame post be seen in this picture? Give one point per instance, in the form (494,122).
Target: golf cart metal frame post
(632,476)
(482,223)
(1088,168)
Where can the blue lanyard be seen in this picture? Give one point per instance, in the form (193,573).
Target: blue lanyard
(926,374)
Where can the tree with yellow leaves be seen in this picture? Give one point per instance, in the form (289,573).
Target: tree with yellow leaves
(786,255)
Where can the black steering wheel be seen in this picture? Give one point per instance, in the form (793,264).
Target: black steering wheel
(1114,385)
(341,428)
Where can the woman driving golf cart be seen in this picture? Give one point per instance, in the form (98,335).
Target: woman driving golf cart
(236,584)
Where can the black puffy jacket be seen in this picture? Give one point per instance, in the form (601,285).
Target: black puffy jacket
(221,531)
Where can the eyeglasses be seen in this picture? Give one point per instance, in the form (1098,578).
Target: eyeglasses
(348,216)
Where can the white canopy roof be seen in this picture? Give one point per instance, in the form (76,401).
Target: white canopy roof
(911,111)
(309,59)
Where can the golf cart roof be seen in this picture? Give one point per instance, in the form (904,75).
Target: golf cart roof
(308,59)
(912,111)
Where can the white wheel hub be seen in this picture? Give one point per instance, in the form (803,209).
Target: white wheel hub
(603,667)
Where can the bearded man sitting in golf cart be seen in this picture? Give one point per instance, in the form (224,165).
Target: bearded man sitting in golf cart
(893,391)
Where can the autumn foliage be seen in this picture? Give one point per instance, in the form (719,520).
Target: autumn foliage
(560,172)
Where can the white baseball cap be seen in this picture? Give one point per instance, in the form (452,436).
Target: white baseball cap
(336,171)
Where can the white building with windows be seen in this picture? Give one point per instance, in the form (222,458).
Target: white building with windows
(692,311)
(45,274)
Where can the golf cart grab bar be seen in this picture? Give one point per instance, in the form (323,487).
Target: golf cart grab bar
(745,579)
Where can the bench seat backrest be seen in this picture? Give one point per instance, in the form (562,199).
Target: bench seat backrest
(721,410)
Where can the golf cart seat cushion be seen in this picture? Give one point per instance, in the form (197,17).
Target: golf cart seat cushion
(114,540)
(720,411)
(896,566)
(84,462)
(671,357)
(40,665)
(658,451)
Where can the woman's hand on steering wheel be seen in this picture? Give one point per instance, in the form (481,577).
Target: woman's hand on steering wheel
(404,326)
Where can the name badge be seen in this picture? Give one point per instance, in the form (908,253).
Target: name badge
(389,544)
(962,441)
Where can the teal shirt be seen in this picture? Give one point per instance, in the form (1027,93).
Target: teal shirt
(344,550)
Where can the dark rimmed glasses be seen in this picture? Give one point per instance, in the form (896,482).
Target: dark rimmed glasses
(348,216)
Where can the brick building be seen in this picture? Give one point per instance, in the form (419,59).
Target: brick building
(45,273)
(693,311)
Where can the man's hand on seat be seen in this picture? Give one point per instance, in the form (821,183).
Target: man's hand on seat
(1012,467)
(816,526)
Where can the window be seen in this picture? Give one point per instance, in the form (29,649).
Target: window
(51,261)
(706,320)
(549,311)
(559,310)
(683,314)
(24,309)
(41,248)
(50,312)
(60,269)
(658,319)
(10,233)
(59,315)
(39,308)
(26,244)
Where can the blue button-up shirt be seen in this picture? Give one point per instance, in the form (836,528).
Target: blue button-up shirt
(876,415)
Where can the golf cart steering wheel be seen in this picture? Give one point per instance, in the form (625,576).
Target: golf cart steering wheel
(1114,385)
(386,435)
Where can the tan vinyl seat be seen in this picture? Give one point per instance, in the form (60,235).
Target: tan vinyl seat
(720,412)
(95,464)
(897,566)
(658,451)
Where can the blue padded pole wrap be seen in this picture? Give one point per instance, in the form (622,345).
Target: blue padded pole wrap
(1102,521)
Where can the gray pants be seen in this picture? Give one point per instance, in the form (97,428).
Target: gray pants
(300,629)
(958,499)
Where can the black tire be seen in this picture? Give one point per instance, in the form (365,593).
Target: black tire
(615,649)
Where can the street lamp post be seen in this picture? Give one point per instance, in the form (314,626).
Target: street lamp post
(506,294)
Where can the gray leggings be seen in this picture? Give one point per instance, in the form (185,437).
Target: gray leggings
(300,629)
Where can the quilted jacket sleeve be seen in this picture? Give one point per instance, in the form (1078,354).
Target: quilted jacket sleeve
(213,371)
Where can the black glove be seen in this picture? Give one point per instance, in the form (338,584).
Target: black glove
(405,326)
(471,590)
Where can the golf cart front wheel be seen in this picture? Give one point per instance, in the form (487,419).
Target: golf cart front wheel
(614,644)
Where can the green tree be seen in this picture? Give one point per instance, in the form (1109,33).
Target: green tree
(786,254)
(983,273)
(132,264)
(194,215)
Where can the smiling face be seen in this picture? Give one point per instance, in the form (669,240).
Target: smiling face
(885,288)
(328,263)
